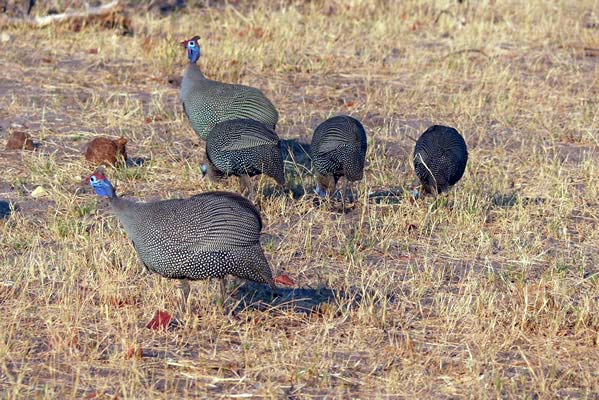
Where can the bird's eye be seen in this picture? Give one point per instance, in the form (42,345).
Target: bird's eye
(192,44)
(92,179)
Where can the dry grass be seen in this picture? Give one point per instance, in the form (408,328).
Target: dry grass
(495,293)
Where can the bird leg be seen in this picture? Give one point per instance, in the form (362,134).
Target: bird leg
(247,188)
(348,191)
(184,287)
(223,289)
(344,197)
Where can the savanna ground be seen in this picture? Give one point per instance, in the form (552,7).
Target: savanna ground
(490,291)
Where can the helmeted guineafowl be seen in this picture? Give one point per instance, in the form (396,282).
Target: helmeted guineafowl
(440,158)
(207,102)
(209,235)
(244,148)
(338,149)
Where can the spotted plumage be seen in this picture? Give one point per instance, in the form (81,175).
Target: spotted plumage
(209,235)
(207,102)
(243,148)
(338,149)
(440,158)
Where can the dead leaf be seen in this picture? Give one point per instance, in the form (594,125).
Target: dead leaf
(160,321)
(120,303)
(134,351)
(153,118)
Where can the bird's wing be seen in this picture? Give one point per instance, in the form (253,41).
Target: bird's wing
(335,136)
(229,221)
(252,135)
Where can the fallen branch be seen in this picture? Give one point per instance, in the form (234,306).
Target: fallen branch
(90,13)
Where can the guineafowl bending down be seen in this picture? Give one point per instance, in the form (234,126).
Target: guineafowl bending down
(207,102)
(244,148)
(440,158)
(209,235)
(338,149)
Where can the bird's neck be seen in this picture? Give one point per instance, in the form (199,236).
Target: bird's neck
(124,209)
(121,206)
(127,212)
(193,72)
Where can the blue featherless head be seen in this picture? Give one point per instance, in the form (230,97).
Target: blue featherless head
(193,49)
(101,184)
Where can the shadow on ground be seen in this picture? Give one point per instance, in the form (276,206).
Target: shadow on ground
(136,161)
(253,296)
(511,199)
(389,196)
(297,152)
(298,170)
(298,166)
(4,209)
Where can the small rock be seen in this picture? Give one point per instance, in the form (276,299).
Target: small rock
(38,192)
(19,140)
(5,37)
(106,151)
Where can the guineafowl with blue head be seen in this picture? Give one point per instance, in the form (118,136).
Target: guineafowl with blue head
(209,235)
(207,102)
